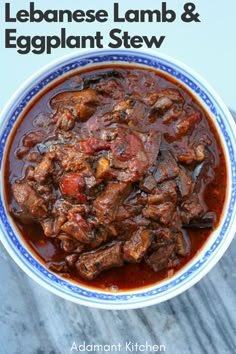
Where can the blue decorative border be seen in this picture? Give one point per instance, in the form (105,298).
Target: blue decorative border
(122,57)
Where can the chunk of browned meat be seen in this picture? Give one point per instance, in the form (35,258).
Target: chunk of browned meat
(82,104)
(92,263)
(160,258)
(151,142)
(107,204)
(44,169)
(29,200)
(32,138)
(165,192)
(110,88)
(162,212)
(163,98)
(187,123)
(64,119)
(148,184)
(181,245)
(191,208)
(135,248)
(189,154)
(167,167)
(185,183)
(75,230)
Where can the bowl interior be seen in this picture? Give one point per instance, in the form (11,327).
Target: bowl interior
(216,244)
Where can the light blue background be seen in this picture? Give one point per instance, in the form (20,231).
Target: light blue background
(208,47)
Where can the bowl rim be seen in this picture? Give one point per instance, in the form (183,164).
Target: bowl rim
(132,301)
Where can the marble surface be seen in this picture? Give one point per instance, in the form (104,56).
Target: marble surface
(202,320)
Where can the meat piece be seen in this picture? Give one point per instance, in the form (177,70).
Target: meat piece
(185,183)
(92,263)
(29,200)
(130,111)
(160,258)
(185,154)
(162,212)
(191,209)
(185,124)
(148,184)
(167,167)
(64,119)
(151,142)
(173,113)
(82,104)
(71,259)
(73,229)
(32,138)
(107,204)
(166,95)
(110,88)
(92,145)
(44,169)
(189,154)
(135,248)
(200,152)
(181,245)
(165,192)
(68,244)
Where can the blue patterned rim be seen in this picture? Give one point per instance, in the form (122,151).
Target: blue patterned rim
(63,287)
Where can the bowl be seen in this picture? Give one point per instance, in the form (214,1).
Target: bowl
(216,244)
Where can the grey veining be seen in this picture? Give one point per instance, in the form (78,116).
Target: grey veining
(202,320)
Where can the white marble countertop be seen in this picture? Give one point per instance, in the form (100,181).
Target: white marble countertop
(202,320)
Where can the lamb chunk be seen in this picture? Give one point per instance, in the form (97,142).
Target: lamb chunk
(165,192)
(185,155)
(189,154)
(29,200)
(135,248)
(191,209)
(64,119)
(160,258)
(173,113)
(151,142)
(130,111)
(92,263)
(169,94)
(107,204)
(148,184)
(167,167)
(73,229)
(185,124)
(162,212)
(68,244)
(110,88)
(71,259)
(92,145)
(82,104)
(32,138)
(185,183)
(181,246)
(200,152)
(44,169)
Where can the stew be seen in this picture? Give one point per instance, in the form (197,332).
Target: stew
(115,177)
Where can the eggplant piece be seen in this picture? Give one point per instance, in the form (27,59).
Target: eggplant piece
(206,222)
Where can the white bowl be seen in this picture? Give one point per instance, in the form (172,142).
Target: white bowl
(220,238)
